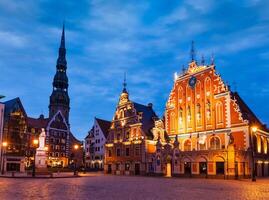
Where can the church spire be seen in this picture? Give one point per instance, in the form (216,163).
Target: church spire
(63,37)
(59,99)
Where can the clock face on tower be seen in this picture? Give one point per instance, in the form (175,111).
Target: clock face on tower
(192,82)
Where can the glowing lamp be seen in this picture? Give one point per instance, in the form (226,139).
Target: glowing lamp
(76,146)
(254,129)
(4,144)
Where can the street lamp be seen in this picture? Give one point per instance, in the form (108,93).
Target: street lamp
(3,152)
(253,171)
(74,161)
(35,145)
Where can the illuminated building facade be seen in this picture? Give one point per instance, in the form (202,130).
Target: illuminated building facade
(95,144)
(15,135)
(207,131)
(128,139)
(213,128)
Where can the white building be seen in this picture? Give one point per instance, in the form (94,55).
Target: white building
(95,144)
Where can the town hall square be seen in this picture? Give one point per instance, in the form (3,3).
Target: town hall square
(134,99)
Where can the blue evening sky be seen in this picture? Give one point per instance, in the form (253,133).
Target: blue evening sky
(149,40)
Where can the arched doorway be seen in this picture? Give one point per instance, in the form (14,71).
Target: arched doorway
(220,166)
(187,166)
(202,166)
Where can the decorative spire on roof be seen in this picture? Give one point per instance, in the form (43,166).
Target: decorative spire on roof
(212,59)
(203,60)
(124,83)
(192,52)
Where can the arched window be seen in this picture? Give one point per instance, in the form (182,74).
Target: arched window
(189,114)
(219,113)
(208,111)
(214,143)
(207,87)
(198,113)
(180,117)
(172,121)
(187,145)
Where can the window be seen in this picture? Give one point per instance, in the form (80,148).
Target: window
(127,151)
(118,152)
(208,111)
(118,166)
(198,115)
(127,135)
(118,136)
(219,113)
(215,143)
(180,119)
(137,151)
(109,153)
(187,145)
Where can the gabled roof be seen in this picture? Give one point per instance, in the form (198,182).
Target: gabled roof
(90,133)
(37,123)
(104,125)
(247,113)
(148,117)
(12,105)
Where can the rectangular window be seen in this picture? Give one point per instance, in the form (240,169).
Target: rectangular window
(118,136)
(127,153)
(137,150)
(118,166)
(109,153)
(118,152)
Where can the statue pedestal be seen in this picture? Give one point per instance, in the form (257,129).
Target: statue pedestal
(40,159)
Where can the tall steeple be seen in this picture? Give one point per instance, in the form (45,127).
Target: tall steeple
(59,99)
(124,97)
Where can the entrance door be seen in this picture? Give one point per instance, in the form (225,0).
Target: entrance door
(187,168)
(203,168)
(220,168)
(137,169)
(109,169)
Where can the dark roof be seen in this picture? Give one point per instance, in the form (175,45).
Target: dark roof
(12,105)
(90,133)
(148,117)
(104,125)
(247,113)
(37,123)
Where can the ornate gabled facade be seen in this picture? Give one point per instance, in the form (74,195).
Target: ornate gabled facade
(213,127)
(128,139)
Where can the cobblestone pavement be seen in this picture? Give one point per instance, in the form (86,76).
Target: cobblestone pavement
(98,186)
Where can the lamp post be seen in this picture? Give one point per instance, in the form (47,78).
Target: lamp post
(253,171)
(3,152)
(35,145)
(75,162)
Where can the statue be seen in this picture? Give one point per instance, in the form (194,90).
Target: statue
(41,155)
